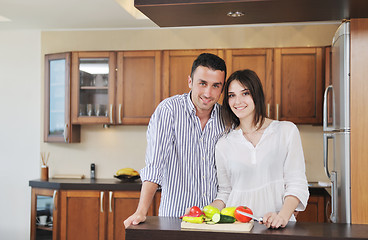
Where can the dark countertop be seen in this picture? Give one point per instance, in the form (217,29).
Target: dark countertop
(87,184)
(169,228)
(112,184)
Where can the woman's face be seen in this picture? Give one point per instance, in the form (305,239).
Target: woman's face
(240,100)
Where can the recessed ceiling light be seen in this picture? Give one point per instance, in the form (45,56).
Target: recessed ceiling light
(4,19)
(235,14)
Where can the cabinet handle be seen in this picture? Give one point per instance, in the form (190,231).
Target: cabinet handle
(111,109)
(53,199)
(268,110)
(277,111)
(120,113)
(65,132)
(101,201)
(110,199)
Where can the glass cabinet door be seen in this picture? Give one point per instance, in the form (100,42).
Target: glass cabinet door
(44,214)
(93,87)
(57,94)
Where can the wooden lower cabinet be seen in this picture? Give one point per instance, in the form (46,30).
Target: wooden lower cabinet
(122,204)
(88,214)
(83,215)
(318,208)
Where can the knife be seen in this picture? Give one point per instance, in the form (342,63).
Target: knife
(250,215)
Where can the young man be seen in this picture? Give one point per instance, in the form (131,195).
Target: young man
(181,139)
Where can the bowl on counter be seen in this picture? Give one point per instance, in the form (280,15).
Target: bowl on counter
(127,178)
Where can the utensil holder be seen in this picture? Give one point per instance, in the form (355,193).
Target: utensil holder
(44,173)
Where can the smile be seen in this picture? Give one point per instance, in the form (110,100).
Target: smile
(240,108)
(205,100)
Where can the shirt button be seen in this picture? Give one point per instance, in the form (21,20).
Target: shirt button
(203,158)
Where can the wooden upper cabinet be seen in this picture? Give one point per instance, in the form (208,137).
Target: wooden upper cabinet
(258,60)
(57,119)
(298,76)
(83,215)
(138,86)
(93,87)
(177,66)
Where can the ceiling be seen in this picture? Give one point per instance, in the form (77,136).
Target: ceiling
(70,14)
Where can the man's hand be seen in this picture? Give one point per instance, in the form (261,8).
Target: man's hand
(134,219)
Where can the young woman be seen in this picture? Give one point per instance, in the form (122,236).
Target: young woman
(260,162)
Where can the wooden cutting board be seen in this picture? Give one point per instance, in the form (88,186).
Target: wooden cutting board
(219,227)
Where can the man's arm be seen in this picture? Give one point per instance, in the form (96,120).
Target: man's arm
(147,192)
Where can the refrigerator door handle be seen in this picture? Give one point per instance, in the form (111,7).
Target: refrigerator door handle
(333,216)
(326,136)
(325,112)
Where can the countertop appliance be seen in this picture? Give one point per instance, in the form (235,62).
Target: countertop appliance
(336,157)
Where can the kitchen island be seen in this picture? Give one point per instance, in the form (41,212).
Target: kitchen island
(161,228)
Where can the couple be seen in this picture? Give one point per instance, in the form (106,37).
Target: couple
(201,153)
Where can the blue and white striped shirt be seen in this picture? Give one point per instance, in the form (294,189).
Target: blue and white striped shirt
(180,157)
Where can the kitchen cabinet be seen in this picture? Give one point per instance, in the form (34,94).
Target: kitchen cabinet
(122,204)
(84,209)
(138,86)
(97,214)
(125,87)
(298,84)
(258,60)
(93,87)
(57,119)
(83,214)
(177,66)
(318,208)
(44,202)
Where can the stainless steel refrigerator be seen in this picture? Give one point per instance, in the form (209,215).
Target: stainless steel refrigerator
(336,136)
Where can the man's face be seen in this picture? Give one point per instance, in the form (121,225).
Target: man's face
(206,87)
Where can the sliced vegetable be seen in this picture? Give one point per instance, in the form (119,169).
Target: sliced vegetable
(193,219)
(220,218)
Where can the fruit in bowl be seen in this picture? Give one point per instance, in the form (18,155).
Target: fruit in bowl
(127,174)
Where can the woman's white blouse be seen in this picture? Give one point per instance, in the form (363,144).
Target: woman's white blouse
(261,177)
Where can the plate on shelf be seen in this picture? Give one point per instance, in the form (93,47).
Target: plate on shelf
(127,178)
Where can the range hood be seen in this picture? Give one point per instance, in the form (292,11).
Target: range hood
(179,13)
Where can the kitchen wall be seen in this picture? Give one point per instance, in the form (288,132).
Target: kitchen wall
(20,101)
(124,146)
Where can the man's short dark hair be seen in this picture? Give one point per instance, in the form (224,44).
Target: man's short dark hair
(210,61)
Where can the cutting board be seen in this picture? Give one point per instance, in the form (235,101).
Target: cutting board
(219,227)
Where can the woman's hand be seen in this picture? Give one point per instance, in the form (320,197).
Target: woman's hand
(274,220)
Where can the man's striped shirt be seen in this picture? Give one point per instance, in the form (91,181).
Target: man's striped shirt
(180,155)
